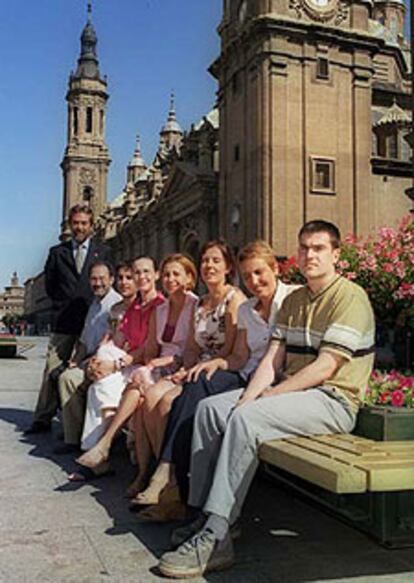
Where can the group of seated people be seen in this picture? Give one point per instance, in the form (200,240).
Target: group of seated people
(201,381)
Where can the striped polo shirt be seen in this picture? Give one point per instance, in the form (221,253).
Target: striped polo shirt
(339,319)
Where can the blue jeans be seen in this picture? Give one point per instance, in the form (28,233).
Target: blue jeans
(177,442)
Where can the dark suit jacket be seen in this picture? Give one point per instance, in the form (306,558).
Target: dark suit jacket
(69,291)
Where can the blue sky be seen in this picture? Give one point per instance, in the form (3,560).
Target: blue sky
(145,47)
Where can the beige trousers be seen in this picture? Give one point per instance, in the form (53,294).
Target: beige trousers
(58,353)
(72,390)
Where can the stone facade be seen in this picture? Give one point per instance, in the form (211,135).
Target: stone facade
(314,110)
(170,205)
(313,95)
(12,299)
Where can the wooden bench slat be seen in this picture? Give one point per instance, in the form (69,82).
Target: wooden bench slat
(322,471)
(356,448)
(394,446)
(350,438)
(345,464)
(333,452)
(390,478)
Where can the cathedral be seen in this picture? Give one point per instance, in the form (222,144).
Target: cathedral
(312,120)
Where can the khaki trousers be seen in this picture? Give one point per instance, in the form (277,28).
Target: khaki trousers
(58,353)
(72,390)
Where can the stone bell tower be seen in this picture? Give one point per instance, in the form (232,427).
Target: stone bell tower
(86,159)
(295,88)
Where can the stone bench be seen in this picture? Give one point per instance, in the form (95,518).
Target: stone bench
(369,483)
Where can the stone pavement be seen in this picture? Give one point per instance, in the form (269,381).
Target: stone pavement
(53,531)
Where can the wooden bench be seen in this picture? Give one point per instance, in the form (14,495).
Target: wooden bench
(369,483)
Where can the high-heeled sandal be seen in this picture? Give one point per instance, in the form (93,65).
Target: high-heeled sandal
(169,508)
(148,497)
(93,458)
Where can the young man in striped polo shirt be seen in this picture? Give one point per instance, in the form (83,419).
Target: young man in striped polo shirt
(311,381)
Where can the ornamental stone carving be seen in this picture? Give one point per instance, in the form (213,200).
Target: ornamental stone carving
(321,10)
(87,176)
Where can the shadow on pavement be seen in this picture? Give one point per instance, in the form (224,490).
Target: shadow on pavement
(18,417)
(284,539)
(109,491)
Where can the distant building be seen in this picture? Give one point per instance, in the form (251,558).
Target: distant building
(37,305)
(12,299)
(172,204)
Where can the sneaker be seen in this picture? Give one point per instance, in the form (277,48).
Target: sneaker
(182,533)
(200,554)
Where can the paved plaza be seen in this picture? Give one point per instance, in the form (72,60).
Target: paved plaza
(54,531)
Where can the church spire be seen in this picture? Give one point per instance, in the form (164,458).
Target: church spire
(172,125)
(137,159)
(88,65)
(171,134)
(137,165)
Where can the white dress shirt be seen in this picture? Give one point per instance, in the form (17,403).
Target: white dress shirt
(96,323)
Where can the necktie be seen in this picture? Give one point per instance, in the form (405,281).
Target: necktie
(79,258)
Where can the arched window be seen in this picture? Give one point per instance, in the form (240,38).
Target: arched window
(393,144)
(87,193)
(75,121)
(89,112)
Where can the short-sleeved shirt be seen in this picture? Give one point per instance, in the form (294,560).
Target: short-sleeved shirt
(339,319)
(258,330)
(135,322)
(97,319)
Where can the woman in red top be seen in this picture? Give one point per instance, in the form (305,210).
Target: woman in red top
(130,334)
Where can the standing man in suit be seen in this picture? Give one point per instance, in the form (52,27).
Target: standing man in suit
(67,285)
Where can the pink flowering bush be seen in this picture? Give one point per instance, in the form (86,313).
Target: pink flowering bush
(392,388)
(289,271)
(384,267)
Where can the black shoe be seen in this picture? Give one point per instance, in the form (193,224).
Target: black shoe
(37,427)
(60,436)
(66,448)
